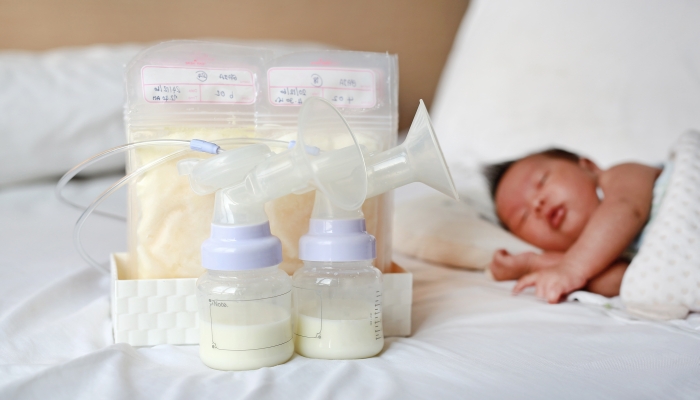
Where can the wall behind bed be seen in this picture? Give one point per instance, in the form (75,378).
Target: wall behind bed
(420,32)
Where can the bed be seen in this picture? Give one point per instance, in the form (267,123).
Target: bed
(470,337)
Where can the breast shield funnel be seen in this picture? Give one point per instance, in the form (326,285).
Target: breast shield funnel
(327,157)
(338,170)
(418,159)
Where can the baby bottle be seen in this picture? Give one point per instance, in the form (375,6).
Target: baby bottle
(337,292)
(244,298)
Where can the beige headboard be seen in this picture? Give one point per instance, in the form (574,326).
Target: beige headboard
(419,31)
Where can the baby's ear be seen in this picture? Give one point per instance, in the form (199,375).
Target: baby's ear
(589,166)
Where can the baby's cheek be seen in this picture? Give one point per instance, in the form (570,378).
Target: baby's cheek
(535,234)
(574,227)
(547,239)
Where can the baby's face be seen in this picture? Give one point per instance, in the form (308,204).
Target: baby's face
(547,201)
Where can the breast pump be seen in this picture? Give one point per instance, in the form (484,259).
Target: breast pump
(244,299)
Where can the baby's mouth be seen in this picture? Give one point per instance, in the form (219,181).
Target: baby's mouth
(556,216)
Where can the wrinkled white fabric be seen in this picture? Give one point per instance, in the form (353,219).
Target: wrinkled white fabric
(471,338)
(615,308)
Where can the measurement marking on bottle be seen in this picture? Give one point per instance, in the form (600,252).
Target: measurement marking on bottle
(378,334)
(225,304)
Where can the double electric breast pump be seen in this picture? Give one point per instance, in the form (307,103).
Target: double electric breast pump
(251,313)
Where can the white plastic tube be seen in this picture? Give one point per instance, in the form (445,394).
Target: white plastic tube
(65,179)
(101,156)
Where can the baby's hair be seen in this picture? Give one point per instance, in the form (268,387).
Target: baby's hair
(494,172)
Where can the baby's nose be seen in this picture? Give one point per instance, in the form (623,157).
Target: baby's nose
(538,205)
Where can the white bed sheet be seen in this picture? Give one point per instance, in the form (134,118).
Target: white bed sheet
(471,338)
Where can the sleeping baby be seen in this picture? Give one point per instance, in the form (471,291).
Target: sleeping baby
(585,219)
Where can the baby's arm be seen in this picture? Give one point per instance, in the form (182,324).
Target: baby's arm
(506,266)
(619,218)
(608,282)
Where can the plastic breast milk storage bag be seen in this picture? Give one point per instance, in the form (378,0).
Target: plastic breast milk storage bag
(214,91)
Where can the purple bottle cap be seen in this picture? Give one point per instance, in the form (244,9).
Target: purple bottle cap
(337,240)
(236,248)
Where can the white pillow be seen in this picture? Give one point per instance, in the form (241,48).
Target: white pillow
(60,107)
(613,80)
(445,231)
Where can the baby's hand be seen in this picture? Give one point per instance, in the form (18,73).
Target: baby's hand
(506,266)
(552,284)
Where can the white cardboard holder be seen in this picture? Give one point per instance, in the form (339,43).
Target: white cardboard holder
(148,312)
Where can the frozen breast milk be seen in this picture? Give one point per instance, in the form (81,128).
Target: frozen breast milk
(213,91)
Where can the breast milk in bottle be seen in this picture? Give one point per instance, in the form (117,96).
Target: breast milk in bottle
(338,291)
(338,310)
(244,300)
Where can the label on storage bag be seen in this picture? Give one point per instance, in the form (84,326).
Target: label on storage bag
(163,84)
(344,87)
